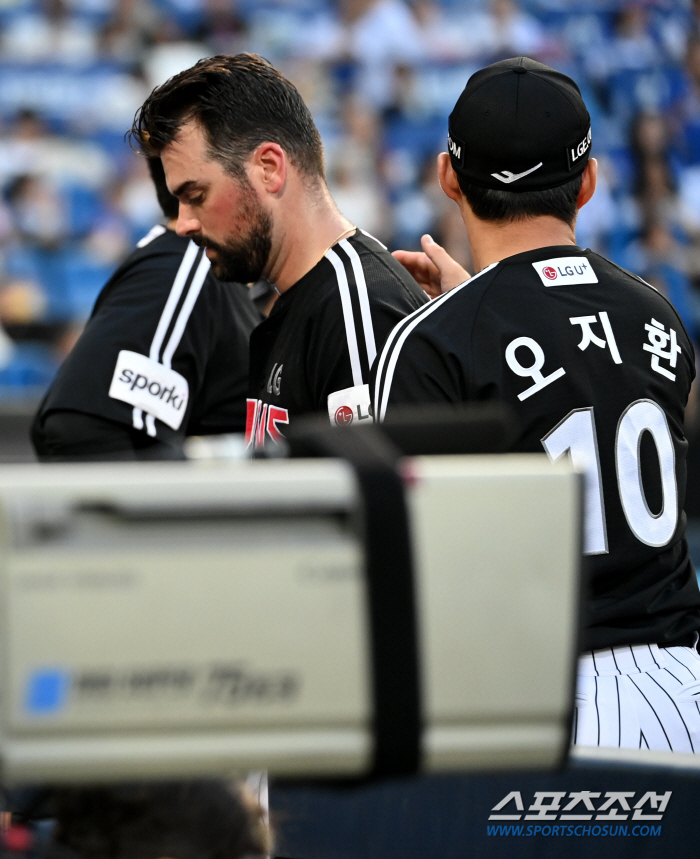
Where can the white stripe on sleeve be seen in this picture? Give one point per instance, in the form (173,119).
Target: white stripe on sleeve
(393,349)
(363,298)
(175,293)
(348,316)
(186,310)
(156,231)
(183,273)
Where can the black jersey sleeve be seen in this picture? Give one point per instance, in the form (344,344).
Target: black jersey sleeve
(421,371)
(416,366)
(65,436)
(220,404)
(373,294)
(163,311)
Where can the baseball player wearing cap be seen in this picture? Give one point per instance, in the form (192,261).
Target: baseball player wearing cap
(598,367)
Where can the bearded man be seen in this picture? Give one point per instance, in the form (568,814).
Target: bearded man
(243,157)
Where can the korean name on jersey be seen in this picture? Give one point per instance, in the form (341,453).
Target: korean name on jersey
(598,366)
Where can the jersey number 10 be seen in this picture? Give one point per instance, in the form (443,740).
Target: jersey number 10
(576,435)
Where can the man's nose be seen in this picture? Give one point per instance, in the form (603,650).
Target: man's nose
(187,225)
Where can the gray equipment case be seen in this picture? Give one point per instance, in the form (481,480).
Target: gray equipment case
(171,620)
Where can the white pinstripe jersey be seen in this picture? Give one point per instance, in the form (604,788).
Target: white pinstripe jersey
(321,339)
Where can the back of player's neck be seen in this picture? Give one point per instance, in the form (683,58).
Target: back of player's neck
(491,243)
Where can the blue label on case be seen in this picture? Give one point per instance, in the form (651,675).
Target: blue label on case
(47,691)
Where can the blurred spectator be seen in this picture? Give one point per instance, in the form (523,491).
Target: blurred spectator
(224,29)
(503,31)
(658,258)
(351,166)
(178,820)
(30,148)
(688,118)
(633,46)
(598,218)
(136,199)
(169,53)
(37,213)
(379,35)
(49,34)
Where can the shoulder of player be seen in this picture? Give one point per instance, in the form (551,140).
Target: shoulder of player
(433,325)
(160,240)
(459,305)
(162,253)
(153,268)
(381,267)
(360,273)
(602,264)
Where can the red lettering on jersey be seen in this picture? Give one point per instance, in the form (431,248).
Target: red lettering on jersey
(344,416)
(260,427)
(276,415)
(549,272)
(251,419)
(263,420)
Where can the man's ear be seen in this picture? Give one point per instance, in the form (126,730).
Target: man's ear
(448,178)
(588,183)
(267,167)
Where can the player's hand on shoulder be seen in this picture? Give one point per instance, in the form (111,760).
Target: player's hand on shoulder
(432,268)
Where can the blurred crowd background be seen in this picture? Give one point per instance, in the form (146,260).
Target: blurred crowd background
(380,77)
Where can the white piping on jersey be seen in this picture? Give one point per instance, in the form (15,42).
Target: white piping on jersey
(415,318)
(166,316)
(153,233)
(348,316)
(374,238)
(186,310)
(363,299)
(175,293)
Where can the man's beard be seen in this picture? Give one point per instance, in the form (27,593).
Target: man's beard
(243,259)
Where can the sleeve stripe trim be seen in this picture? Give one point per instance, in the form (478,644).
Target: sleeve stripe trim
(398,328)
(348,316)
(183,272)
(186,310)
(398,337)
(374,239)
(182,278)
(152,234)
(363,298)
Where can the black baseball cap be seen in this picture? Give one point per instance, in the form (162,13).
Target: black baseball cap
(519,126)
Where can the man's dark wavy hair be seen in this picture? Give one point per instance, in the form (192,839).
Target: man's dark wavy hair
(240,102)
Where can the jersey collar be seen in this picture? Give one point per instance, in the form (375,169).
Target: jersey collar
(544,253)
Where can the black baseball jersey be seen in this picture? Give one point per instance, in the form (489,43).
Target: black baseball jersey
(315,350)
(165,351)
(597,365)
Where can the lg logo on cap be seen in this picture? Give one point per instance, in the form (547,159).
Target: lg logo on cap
(549,272)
